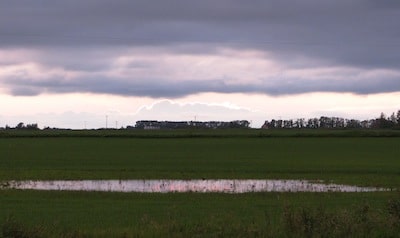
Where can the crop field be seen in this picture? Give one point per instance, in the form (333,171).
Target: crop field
(92,214)
(356,160)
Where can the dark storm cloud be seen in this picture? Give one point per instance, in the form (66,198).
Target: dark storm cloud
(159,88)
(358,32)
(364,34)
(152,88)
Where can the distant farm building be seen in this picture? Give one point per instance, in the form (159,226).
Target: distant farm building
(155,125)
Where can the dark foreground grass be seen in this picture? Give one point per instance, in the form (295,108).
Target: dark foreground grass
(84,214)
(361,161)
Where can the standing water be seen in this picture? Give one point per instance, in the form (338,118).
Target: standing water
(201,186)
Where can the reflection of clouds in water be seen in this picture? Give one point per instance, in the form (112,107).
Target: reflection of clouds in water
(205,186)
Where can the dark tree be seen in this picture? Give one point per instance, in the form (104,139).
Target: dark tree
(398,117)
(20,126)
(32,126)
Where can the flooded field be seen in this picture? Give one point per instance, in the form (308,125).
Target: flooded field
(200,186)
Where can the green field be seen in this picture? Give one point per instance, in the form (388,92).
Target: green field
(202,133)
(81,214)
(358,160)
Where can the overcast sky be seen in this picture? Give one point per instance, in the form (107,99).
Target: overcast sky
(70,63)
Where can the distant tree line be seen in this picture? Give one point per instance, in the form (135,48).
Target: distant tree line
(324,122)
(22,126)
(382,122)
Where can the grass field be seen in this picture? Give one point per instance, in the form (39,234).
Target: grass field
(202,133)
(360,161)
(81,214)
(372,161)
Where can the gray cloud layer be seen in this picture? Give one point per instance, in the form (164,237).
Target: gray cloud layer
(85,35)
(180,89)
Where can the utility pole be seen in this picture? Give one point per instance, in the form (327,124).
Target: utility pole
(106,121)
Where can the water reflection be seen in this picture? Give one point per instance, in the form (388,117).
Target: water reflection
(201,186)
